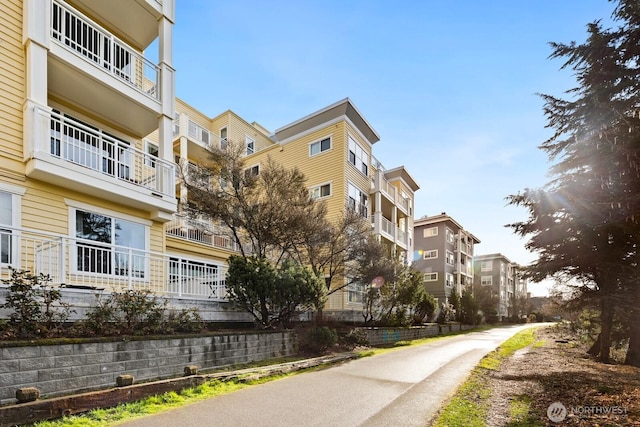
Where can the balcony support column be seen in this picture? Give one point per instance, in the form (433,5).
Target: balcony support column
(36,28)
(184,161)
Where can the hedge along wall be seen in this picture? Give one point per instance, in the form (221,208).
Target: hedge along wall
(72,368)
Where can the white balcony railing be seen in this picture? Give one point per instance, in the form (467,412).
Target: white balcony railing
(199,134)
(92,148)
(201,232)
(79,34)
(380,183)
(73,262)
(390,230)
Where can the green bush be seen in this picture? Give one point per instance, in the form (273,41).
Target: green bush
(186,320)
(138,312)
(36,307)
(355,337)
(320,338)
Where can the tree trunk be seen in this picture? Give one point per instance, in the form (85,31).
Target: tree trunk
(595,347)
(633,353)
(606,323)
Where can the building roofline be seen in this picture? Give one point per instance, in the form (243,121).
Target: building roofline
(343,107)
(405,175)
(441,218)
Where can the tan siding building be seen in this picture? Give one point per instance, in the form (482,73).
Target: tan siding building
(91,132)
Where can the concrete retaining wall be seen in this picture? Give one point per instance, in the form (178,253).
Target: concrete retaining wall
(381,336)
(72,368)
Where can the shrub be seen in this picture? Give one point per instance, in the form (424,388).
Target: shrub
(138,312)
(186,320)
(36,307)
(320,338)
(355,337)
(274,297)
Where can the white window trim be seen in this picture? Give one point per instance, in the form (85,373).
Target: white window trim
(428,232)
(360,193)
(359,161)
(360,291)
(319,186)
(103,211)
(431,277)
(483,268)
(447,282)
(490,281)
(319,141)
(16,194)
(147,161)
(448,233)
(75,205)
(430,251)
(248,168)
(223,142)
(247,141)
(450,256)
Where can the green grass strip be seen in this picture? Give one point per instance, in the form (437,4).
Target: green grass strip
(470,405)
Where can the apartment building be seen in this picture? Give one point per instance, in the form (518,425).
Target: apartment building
(80,197)
(91,135)
(503,277)
(333,148)
(444,253)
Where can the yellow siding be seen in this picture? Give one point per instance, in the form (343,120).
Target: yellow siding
(12,70)
(322,168)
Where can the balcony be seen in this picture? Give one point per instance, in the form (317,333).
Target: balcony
(80,157)
(200,141)
(82,264)
(87,63)
(201,232)
(391,193)
(390,231)
(136,20)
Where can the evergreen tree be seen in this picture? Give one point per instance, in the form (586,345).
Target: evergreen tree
(584,223)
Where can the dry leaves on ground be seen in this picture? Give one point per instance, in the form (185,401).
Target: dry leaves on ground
(594,394)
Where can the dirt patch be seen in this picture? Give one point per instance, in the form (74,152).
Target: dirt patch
(592,393)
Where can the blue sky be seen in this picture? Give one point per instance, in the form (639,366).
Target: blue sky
(450,86)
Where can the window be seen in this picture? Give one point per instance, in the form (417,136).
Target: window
(7,249)
(429,232)
(355,293)
(450,258)
(358,157)
(250,144)
(430,254)
(450,236)
(319,146)
(486,280)
(430,277)
(223,138)
(486,266)
(448,281)
(252,171)
(108,245)
(358,200)
(320,191)
(151,154)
